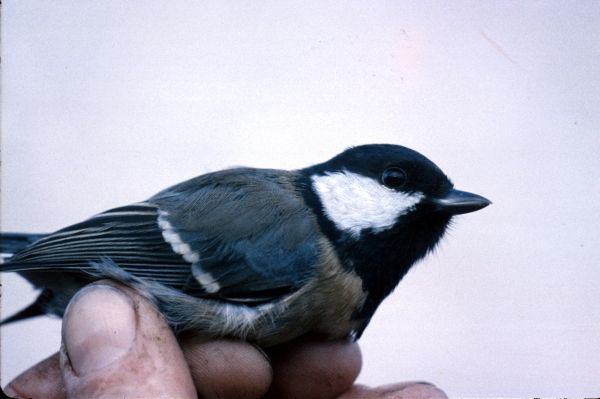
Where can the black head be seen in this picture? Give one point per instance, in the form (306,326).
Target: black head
(372,188)
(384,207)
(404,169)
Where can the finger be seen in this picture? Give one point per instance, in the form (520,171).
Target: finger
(227,368)
(44,380)
(314,368)
(116,344)
(406,390)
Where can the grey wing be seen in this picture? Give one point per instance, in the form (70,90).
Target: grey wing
(247,232)
(240,235)
(128,235)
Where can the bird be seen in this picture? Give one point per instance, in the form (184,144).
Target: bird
(262,255)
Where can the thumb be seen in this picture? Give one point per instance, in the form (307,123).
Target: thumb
(116,344)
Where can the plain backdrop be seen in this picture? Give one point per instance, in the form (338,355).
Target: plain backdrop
(105,103)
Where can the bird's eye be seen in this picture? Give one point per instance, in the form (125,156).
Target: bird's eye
(393,177)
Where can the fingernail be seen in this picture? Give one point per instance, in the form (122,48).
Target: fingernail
(99,327)
(10,392)
(262,352)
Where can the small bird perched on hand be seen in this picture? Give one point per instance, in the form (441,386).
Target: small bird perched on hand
(262,255)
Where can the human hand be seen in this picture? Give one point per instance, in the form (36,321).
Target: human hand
(116,344)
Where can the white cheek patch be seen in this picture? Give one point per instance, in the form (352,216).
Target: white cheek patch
(354,202)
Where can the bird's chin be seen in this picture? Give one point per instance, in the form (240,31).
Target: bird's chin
(426,232)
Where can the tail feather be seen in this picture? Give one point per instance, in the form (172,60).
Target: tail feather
(37,308)
(11,243)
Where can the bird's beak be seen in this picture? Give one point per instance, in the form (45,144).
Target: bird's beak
(458,202)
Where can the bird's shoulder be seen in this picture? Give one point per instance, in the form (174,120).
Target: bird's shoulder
(238,203)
